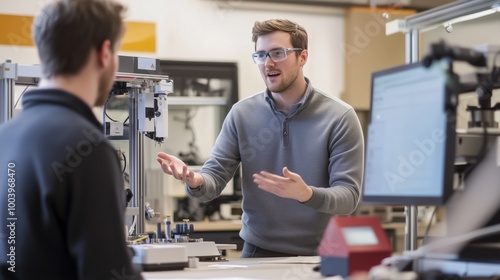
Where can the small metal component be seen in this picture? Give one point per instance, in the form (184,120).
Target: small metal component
(448,27)
(193,262)
(158,232)
(182,239)
(150,212)
(168,233)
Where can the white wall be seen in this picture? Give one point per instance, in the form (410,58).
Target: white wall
(205,30)
(200,30)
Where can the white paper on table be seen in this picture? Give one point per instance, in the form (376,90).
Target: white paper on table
(294,260)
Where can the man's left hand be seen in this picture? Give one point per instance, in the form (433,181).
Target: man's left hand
(290,185)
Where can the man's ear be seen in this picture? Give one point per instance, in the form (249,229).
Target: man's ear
(303,57)
(105,53)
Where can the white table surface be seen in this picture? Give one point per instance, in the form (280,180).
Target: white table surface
(293,268)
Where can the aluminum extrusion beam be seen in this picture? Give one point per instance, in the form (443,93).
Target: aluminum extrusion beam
(136,154)
(444,13)
(7,98)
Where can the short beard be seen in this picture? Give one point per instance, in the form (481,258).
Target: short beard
(104,89)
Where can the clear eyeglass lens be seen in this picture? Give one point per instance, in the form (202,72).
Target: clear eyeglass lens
(278,55)
(259,57)
(275,55)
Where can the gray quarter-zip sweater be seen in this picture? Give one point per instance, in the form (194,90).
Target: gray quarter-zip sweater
(320,139)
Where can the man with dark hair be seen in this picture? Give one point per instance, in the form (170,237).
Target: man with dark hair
(64,200)
(300,150)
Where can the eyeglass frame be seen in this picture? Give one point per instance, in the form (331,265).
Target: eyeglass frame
(267,54)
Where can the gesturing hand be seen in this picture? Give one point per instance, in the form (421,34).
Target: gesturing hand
(177,168)
(290,185)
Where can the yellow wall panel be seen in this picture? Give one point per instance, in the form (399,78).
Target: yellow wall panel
(16,31)
(139,36)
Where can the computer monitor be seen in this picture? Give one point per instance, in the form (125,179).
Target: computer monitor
(410,146)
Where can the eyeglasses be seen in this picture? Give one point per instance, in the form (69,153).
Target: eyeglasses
(275,55)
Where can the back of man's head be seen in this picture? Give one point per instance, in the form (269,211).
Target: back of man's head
(67,30)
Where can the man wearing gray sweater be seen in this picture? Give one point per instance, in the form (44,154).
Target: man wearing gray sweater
(300,150)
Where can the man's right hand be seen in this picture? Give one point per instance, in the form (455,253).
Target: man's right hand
(177,168)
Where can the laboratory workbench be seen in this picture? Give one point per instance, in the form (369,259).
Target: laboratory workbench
(236,268)
(222,225)
(235,225)
(221,232)
(247,269)
(227,232)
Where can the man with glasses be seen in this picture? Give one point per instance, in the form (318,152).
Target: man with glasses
(301,152)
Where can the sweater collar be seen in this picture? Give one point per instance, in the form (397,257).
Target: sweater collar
(60,98)
(297,106)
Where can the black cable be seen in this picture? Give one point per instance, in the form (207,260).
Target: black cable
(495,73)
(104,109)
(106,112)
(124,162)
(192,144)
(484,145)
(482,151)
(19,98)
(194,151)
(495,59)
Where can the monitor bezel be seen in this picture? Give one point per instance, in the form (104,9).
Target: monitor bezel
(449,157)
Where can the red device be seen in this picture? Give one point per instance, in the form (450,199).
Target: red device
(352,244)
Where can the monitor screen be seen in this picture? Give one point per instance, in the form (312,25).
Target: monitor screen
(410,146)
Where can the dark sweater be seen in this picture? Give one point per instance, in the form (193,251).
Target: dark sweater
(65,219)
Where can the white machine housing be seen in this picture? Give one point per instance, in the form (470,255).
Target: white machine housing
(160,257)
